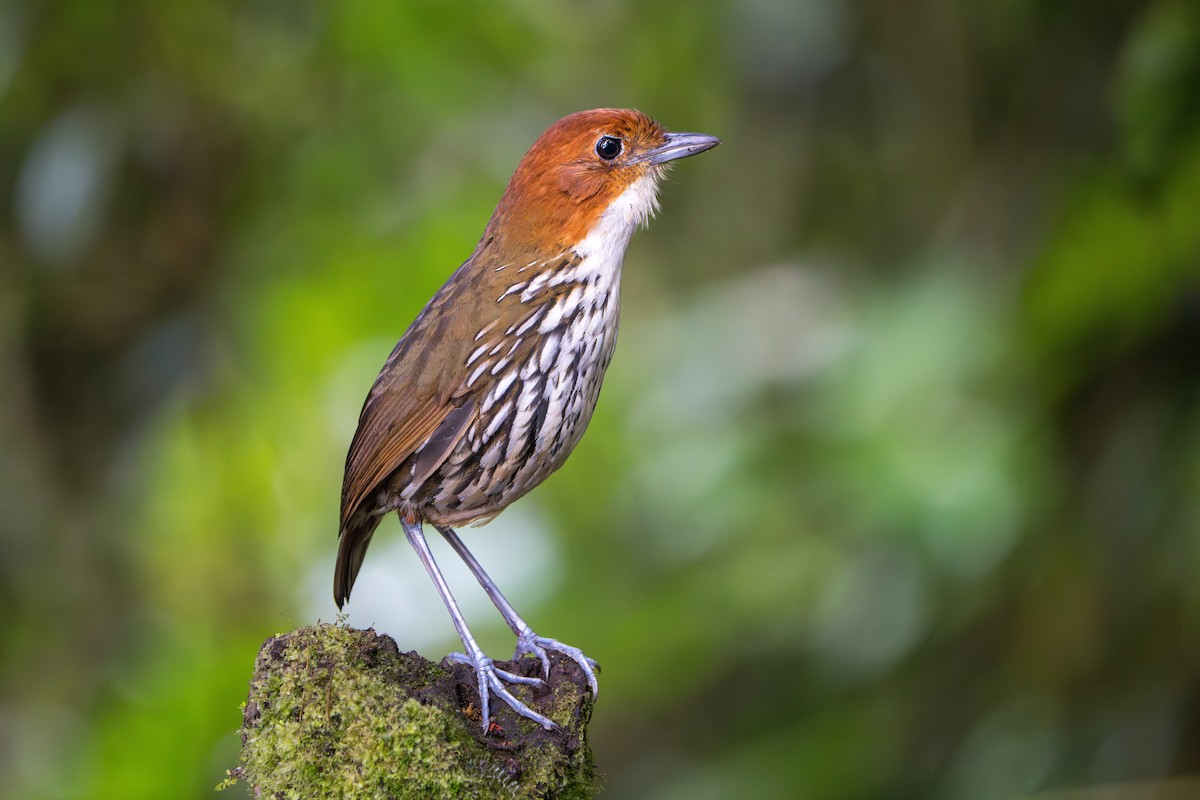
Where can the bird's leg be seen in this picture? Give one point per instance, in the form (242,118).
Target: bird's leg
(490,676)
(527,640)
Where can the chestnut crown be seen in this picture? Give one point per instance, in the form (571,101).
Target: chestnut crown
(578,168)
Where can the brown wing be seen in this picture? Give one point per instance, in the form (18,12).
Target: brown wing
(390,429)
(411,404)
(411,397)
(379,447)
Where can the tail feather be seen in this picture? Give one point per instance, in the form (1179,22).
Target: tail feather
(353,541)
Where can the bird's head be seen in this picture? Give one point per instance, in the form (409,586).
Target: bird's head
(587,165)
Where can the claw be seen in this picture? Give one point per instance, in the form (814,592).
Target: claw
(527,640)
(491,680)
(530,642)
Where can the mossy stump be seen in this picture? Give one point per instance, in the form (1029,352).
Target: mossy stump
(336,712)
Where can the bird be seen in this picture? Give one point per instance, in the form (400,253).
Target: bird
(492,385)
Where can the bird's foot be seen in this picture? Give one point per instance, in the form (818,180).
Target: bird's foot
(491,681)
(530,642)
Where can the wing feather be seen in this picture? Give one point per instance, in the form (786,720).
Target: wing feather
(392,426)
(413,394)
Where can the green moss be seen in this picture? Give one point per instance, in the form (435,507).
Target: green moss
(335,712)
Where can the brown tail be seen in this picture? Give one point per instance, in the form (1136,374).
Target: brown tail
(352,547)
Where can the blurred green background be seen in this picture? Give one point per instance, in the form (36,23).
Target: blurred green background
(894,487)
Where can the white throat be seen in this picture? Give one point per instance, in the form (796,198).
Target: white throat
(605,244)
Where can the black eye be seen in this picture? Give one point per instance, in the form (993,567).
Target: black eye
(608,147)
